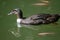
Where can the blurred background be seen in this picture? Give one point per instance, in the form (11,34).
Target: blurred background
(29,7)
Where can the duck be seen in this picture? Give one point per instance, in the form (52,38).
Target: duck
(36,19)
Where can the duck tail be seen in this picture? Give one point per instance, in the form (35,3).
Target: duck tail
(59,15)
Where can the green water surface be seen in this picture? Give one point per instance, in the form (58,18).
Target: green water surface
(8,23)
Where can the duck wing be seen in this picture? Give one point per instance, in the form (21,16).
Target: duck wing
(39,16)
(36,19)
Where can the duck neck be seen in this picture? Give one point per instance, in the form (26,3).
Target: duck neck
(20,15)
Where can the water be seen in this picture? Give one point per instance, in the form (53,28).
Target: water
(9,30)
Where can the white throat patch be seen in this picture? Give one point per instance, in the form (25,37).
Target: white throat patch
(19,20)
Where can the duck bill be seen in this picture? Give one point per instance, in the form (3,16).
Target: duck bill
(10,13)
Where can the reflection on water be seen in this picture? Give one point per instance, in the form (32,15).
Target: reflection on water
(32,27)
(15,31)
(45,33)
(29,38)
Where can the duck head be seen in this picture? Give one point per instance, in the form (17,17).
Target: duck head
(16,11)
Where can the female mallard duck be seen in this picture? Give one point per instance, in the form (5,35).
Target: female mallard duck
(34,19)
